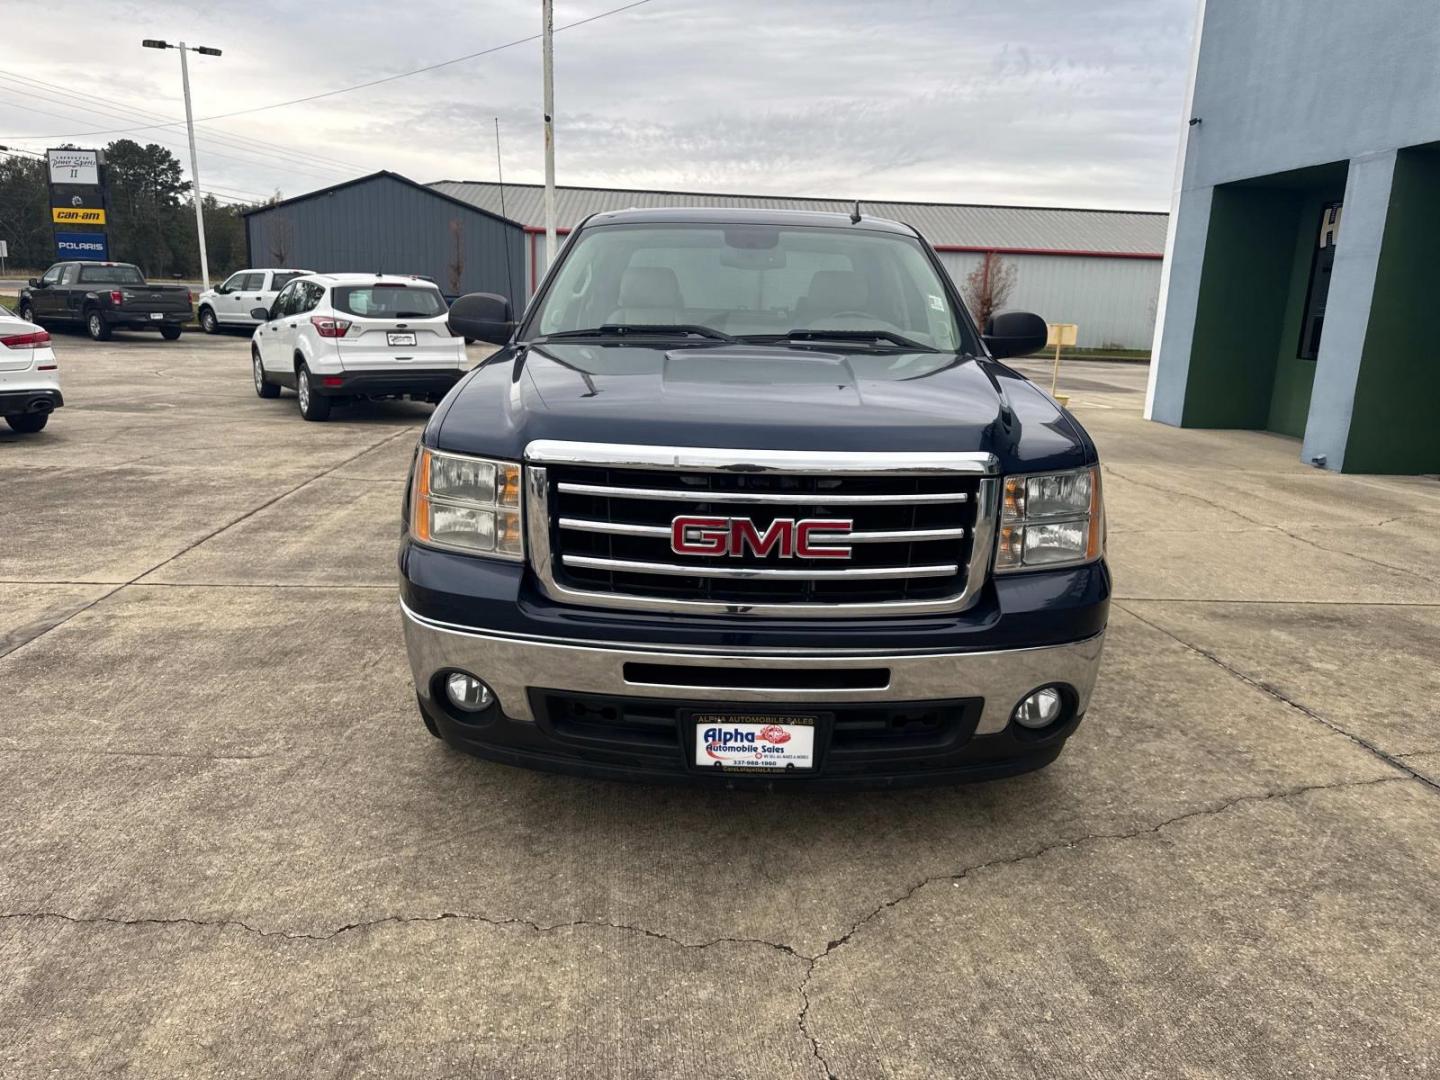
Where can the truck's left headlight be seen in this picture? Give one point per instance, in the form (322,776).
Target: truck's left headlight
(1051,520)
(467,504)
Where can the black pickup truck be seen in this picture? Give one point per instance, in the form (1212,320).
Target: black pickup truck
(746,498)
(105,296)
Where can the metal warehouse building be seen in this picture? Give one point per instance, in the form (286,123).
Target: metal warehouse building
(1099,269)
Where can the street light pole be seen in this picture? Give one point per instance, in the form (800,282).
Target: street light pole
(150,43)
(548,55)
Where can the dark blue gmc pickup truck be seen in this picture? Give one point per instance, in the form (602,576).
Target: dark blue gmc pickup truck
(745,498)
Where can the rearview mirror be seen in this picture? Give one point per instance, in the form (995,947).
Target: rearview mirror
(260,314)
(1015,333)
(483,317)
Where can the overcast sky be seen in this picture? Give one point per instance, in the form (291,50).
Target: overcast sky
(1043,102)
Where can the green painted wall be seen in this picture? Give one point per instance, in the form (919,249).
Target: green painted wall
(1393,427)
(1294,378)
(1241,307)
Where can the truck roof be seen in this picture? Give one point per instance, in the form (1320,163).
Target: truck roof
(724,215)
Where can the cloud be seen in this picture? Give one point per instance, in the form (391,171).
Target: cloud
(1035,101)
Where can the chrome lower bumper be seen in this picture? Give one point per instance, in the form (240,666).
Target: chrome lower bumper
(512,665)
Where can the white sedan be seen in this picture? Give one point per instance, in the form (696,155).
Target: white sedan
(29,375)
(230,303)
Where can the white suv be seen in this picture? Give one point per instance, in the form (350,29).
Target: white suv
(230,303)
(342,336)
(29,375)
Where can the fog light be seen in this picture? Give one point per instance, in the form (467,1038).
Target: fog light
(467,692)
(1040,708)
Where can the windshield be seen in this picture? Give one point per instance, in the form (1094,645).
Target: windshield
(751,281)
(111,275)
(390,301)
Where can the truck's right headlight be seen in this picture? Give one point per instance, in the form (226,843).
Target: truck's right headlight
(1050,520)
(467,504)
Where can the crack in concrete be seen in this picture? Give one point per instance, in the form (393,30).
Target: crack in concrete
(1279,695)
(1280,528)
(811,961)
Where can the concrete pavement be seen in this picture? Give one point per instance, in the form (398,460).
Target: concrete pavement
(230,849)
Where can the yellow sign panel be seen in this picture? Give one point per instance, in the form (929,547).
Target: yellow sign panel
(65,215)
(1063,333)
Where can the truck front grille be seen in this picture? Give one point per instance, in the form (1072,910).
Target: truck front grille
(600,517)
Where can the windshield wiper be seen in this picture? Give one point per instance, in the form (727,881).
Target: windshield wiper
(628,330)
(855,335)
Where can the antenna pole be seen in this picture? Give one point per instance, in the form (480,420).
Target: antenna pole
(548,51)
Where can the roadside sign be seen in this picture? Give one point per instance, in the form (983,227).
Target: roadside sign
(84,245)
(74,166)
(1063,333)
(4,249)
(76,198)
(69,215)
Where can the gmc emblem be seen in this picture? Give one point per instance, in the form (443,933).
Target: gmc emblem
(810,538)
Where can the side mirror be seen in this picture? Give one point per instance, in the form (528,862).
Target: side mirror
(482,316)
(260,314)
(222,290)
(1015,333)
(34,283)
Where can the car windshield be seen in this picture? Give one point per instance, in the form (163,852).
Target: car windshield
(111,275)
(755,282)
(390,301)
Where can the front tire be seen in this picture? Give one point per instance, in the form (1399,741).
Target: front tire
(208,322)
(27,312)
(313,406)
(263,387)
(27,423)
(170,333)
(97,326)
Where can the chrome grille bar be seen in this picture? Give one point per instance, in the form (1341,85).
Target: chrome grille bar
(781,498)
(899,536)
(747,573)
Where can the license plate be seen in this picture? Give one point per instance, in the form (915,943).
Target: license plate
(746,742)
(400,339)
(157,314)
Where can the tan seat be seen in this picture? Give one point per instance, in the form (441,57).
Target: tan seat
(649,296)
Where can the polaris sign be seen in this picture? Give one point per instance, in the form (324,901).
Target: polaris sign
(87,245)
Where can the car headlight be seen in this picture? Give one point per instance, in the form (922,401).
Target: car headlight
(1051,519)
(467,504)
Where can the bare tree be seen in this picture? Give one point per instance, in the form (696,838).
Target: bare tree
(282,236)
(988,287)
(457,258)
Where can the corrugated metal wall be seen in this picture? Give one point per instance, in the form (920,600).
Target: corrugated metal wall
(383,224)
(1111,300)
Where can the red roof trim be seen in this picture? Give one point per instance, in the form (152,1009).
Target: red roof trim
(1050,251)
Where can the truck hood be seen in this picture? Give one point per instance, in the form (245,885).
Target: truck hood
(755,397)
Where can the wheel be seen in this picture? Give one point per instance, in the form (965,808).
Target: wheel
(313,406)
(263,386)
(208,322)
(28,423)
(98,327)
(27,312)
(170,333)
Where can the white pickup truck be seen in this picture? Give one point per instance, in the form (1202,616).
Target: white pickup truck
(230,303)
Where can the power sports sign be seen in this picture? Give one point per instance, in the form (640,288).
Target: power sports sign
(78,203)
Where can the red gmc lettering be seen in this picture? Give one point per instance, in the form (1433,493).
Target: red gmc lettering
(812,538)
(808,532)
(700,536)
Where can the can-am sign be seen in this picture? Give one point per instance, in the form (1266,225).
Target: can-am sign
(74,166)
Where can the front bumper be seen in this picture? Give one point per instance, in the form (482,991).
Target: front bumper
(633,699)
(17,402)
